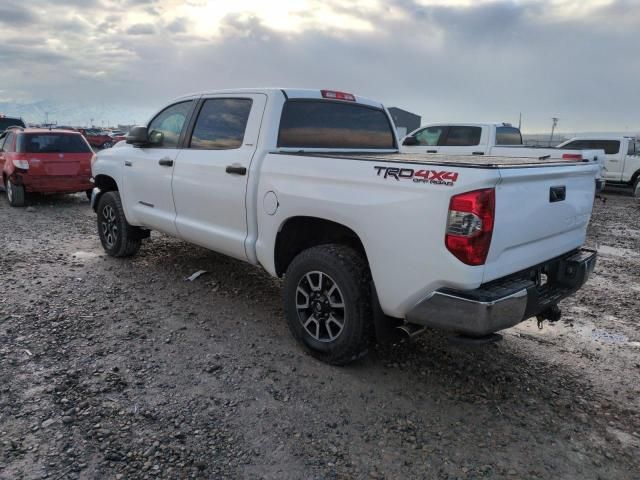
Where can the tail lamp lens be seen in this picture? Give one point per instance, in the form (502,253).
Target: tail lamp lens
(21,164)
(572,156)
(470,225)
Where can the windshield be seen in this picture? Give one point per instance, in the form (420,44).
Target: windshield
(52,143)
(6,122)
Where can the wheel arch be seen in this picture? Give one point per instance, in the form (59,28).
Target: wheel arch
(104,183)
(302,232)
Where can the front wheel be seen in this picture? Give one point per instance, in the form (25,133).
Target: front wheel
(15,193)
(636,188)
(118,238)
(327,303)
(107,144)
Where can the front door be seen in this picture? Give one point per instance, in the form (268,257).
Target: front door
(212,170)
(148,171)
(427,140)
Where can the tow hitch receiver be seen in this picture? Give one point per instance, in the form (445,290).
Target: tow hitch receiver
(552,313)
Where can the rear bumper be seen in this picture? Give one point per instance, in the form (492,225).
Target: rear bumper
(508,301)
(54,184)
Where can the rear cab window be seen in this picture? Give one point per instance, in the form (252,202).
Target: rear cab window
(508,136)
(326,124)
(52,143)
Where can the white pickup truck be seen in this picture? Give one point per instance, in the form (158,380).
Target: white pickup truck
(621,161)
(497,139)
(310,186)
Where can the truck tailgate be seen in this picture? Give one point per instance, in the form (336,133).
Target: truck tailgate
(541,213)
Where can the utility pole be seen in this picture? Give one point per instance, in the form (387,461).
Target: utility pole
(46,122)
(553,128)
(520,122)
(91,123)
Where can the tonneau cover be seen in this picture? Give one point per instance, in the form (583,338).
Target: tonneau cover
(472,161)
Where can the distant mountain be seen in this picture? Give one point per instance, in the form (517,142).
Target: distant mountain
(76,114)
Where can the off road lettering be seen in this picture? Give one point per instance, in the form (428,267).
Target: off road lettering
(433,177)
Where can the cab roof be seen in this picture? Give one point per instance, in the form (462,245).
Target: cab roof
(287,92)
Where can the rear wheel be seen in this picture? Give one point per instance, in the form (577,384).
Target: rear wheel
(327,303)
(107,144)
(15,193)
(636,188)
(118,238)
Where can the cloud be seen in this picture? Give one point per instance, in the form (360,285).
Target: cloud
(141,29)
(447,61)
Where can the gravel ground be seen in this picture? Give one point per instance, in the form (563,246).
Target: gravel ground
(121,369)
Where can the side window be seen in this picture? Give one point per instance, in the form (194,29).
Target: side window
(221,124)
(430,136)
(8,142)
(633,148)
(3,137)
(463,136)
(610,147)
(164,130)
(575,145)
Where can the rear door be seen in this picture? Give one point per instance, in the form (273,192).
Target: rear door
(463,140)
(211,172)
(428,139)
(148,171)
(3,137)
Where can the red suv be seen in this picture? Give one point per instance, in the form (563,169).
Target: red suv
(45,161)
(97,138)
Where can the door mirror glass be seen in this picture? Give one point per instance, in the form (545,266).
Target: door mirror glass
(138,136)
(410,141)
(156,138)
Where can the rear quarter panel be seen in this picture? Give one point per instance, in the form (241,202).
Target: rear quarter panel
(401,223)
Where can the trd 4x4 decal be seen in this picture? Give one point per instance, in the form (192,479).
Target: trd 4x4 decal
(433,177)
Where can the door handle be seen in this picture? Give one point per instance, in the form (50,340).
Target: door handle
(432,151)
(236,169)
(127,163)
(165,162)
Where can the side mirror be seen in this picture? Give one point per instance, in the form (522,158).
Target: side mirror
(138,136)
(410,141)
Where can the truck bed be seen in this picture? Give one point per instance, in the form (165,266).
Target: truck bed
(469,161)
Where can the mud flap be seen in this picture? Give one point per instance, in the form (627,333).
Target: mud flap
(385,327)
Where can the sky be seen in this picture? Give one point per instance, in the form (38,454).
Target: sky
(456,60)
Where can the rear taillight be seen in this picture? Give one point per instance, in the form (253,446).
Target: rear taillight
(470,225)
(21,164)
(338,95)
(572,156)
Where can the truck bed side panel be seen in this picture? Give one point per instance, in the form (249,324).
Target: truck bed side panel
(400,222)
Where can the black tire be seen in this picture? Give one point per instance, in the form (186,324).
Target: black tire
(636,188)
(348,270)
(107,145)
(118,238)
(15,193)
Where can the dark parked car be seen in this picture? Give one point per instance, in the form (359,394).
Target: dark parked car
(6,122)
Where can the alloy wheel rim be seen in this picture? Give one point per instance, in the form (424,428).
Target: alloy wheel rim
(320,306)
(109,226)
